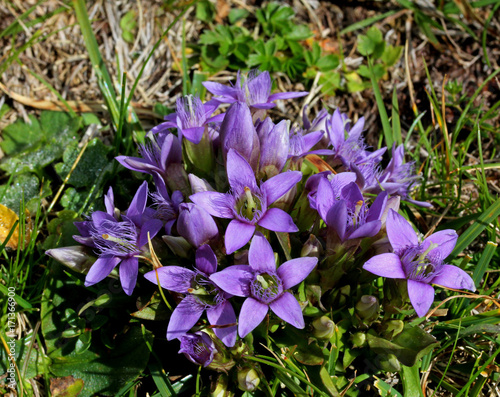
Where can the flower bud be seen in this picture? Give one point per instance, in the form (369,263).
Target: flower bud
(77,258)
(312,247)
(274,145)
(238,132)
(368,308)
(198,348)
(221,388)
(358,339)
(323,327)
(178,245)
(248,379)
(196,225)
(391,328)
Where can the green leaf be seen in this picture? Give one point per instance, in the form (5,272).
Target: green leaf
(35,361)
(90,166)
(25,186)
(205,11)
(408,346)
(411,381)
(385,390)
(237,14)
(328,63)
(20,136)
(298,33)
(391,55)
(372,43)
(128,24)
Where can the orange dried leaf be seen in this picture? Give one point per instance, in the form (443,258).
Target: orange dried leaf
(8,219)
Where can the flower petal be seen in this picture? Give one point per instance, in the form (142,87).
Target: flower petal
(261,255)
(136,208)
(184,317)
(137,164)
(399,231)
(206,261)
(128,274)
(296,270)
(251,315)
(152,227)
(101,269)
(237,235)
(385,265)
(454,277)
(223,315)
(369,229)
(239,172)
(215,203)
(325,197)
(377,207)
(109,202)
(421,296)
(336,218)
(277,220)
(280,184)
(445,240)
(173,278)
(287,95)
(193,134)
(234,280)
(287,308)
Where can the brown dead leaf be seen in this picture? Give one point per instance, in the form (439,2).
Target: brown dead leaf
(66,387)
(8,219)
(319,163)
(222,10)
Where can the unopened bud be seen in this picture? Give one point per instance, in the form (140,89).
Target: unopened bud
(358,339)
(221,388)
(368,308)
(323,327)
(391,328)
(312,247)
(178,245)
(248,379)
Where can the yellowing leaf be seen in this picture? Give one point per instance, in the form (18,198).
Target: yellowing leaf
(7,220)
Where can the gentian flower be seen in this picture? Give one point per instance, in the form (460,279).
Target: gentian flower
(349,216)
(196,225)
(255,91)
(237,132)
(198,348)
(247,204)
(119,242)
(264,286)
(161,158)
(274,146)
(301,144)
(167,208)
(421,263)
(192,117)
(201,295)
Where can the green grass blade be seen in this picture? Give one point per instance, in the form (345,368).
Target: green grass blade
(366,22)
(386,126)
(483,263)
(103,78)
(488,216)
(396,122)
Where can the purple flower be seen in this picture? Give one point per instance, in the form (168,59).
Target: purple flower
(161,156)
(420,263)
(201,295)
(264,286)
(301,144)
(167,208)
(349,215)
(255,91)
(196,225)
(198,348)
(247,204)
(118,242)
(192,117)
(274,146)
(237,132)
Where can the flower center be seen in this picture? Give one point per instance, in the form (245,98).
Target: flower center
(116,238)
(205,292)
(418,265)
(266,287)
(249,205)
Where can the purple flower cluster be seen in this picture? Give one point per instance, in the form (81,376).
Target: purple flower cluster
(255,183)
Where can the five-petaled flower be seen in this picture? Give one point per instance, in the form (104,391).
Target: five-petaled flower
(247,204)
(201,295)
(420,263)
(264,286)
